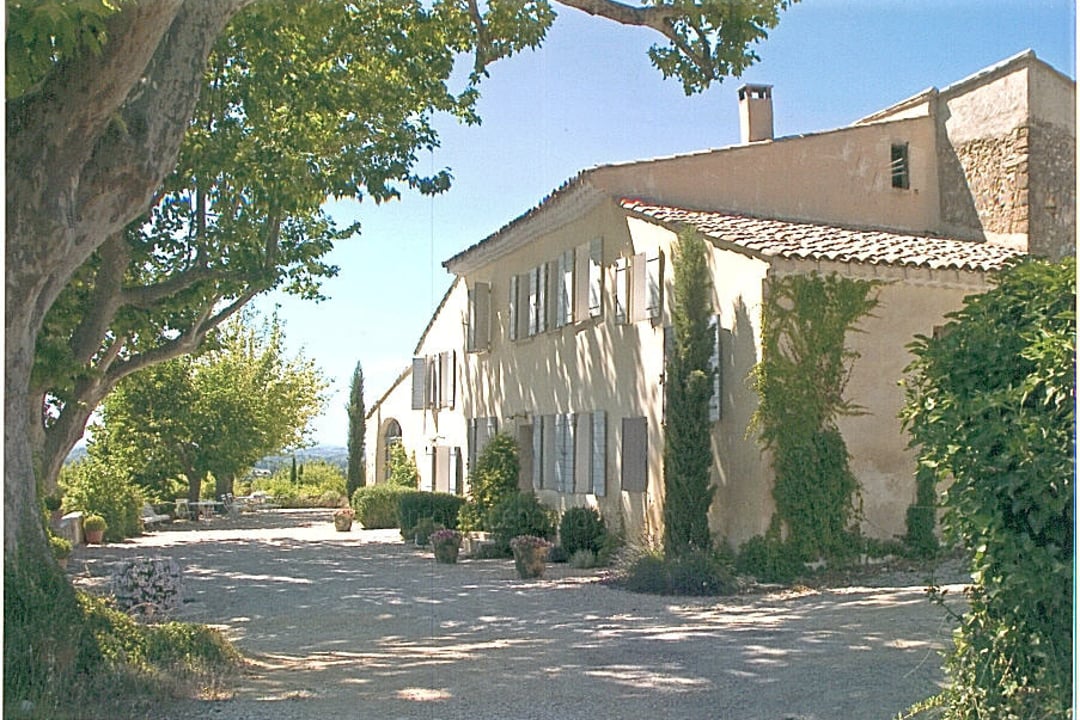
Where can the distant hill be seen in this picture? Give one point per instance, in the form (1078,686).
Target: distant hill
(333,454)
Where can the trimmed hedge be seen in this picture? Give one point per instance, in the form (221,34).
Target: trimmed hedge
(442,508)
(376,506)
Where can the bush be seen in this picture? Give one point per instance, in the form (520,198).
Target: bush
(376,506)
(583,560)
(421,531)
(401,468)
(692,572)
(320,485)
(441,508)
(768,559)
(495,477)
(61,547)
(991,404)
(96,487)
(582,528)
(520,514)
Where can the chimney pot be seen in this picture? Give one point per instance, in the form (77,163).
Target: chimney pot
(755,113)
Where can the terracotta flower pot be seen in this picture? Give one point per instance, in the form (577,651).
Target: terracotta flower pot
(343,523)
(95,537)
(446,552)
(530,562)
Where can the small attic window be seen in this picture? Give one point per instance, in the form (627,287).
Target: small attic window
(898,165)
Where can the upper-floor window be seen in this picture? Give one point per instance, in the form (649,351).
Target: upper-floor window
(434,381)
(478,330)
(899,166)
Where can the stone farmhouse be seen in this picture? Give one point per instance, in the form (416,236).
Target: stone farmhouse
(553,328)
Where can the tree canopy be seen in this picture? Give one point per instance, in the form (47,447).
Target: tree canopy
(215,413)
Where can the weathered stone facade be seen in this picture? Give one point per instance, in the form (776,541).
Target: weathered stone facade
(985,184)
(1052,191)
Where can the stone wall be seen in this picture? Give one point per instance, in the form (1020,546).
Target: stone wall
(984,185)
(1052,190)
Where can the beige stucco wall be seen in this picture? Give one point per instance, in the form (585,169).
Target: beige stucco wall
(841,177)
(421,430)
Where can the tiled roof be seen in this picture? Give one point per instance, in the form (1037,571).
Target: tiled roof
(808,241)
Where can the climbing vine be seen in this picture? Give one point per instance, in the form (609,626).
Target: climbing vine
(800,382)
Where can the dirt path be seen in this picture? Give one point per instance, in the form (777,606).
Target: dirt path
(359,625)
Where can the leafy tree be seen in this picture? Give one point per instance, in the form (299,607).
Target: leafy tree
(214,414)
(100,97)
(357,430)
(402,468)
(688,386)
(991,408)
(494,479)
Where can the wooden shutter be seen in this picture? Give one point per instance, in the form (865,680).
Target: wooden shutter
(598,471)
(419,383)
(515,280)
(550,451)
(538,452)
(479,335)
(442,468)
(654,297)
(534,301)
(541,309)
(582,452)
(596,277)
(635,454)
(565,312)
(622,296)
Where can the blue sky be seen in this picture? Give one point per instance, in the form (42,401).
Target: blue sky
(589,96)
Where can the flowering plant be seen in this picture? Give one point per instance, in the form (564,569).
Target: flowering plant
(345,513)
(445,537)
(529,542)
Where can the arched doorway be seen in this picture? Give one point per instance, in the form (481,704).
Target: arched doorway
(391,437)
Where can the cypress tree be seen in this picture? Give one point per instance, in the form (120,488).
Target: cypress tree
(357,429)
(688,386)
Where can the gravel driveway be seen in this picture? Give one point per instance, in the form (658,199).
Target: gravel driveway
(359,625)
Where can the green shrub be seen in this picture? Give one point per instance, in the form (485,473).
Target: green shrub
(401,468)
(692,572)
(583,560)
(96,487)
(769,560)
(495,477)
(320,485)
(920,539)
(422,530)
(582,528)
(441,508)
(991,405)
(376,506)
(61,547)
(470,518)
(520,514)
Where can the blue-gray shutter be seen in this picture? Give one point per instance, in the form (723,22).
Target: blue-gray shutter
(596,277)
(635,454)
(538,452)
(599,453)
(514,309)
(419,383)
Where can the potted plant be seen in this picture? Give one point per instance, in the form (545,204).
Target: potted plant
(446,544)
(530,555)
(343,518)
(94,526)
(61,549)
(52,504)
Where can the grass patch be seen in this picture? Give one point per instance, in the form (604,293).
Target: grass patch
(66,651)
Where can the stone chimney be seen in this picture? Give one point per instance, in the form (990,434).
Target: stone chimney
(755,113)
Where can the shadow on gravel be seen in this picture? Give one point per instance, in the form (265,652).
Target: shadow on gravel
(365,626)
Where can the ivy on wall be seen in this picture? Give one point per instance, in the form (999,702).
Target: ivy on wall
(800,382)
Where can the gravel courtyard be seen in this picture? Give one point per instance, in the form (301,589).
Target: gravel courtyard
(360,625)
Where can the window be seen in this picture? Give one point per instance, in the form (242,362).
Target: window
(538,299)
(434,381)
(515,306)
(598,471)
(898,165)
(478,335)
(391,438)
(538,459)
(622,291)
(479,432)
(565,288)
(564,452)
(596,277)
(647,286)
(716,400)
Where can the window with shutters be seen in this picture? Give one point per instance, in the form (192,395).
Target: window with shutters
(478,335)
(582,452)
(716,400)
(538,299)
(564,452)
(538,458)
(622,290)
(419,377)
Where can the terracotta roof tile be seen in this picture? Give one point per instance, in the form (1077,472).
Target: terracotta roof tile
(809,241)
